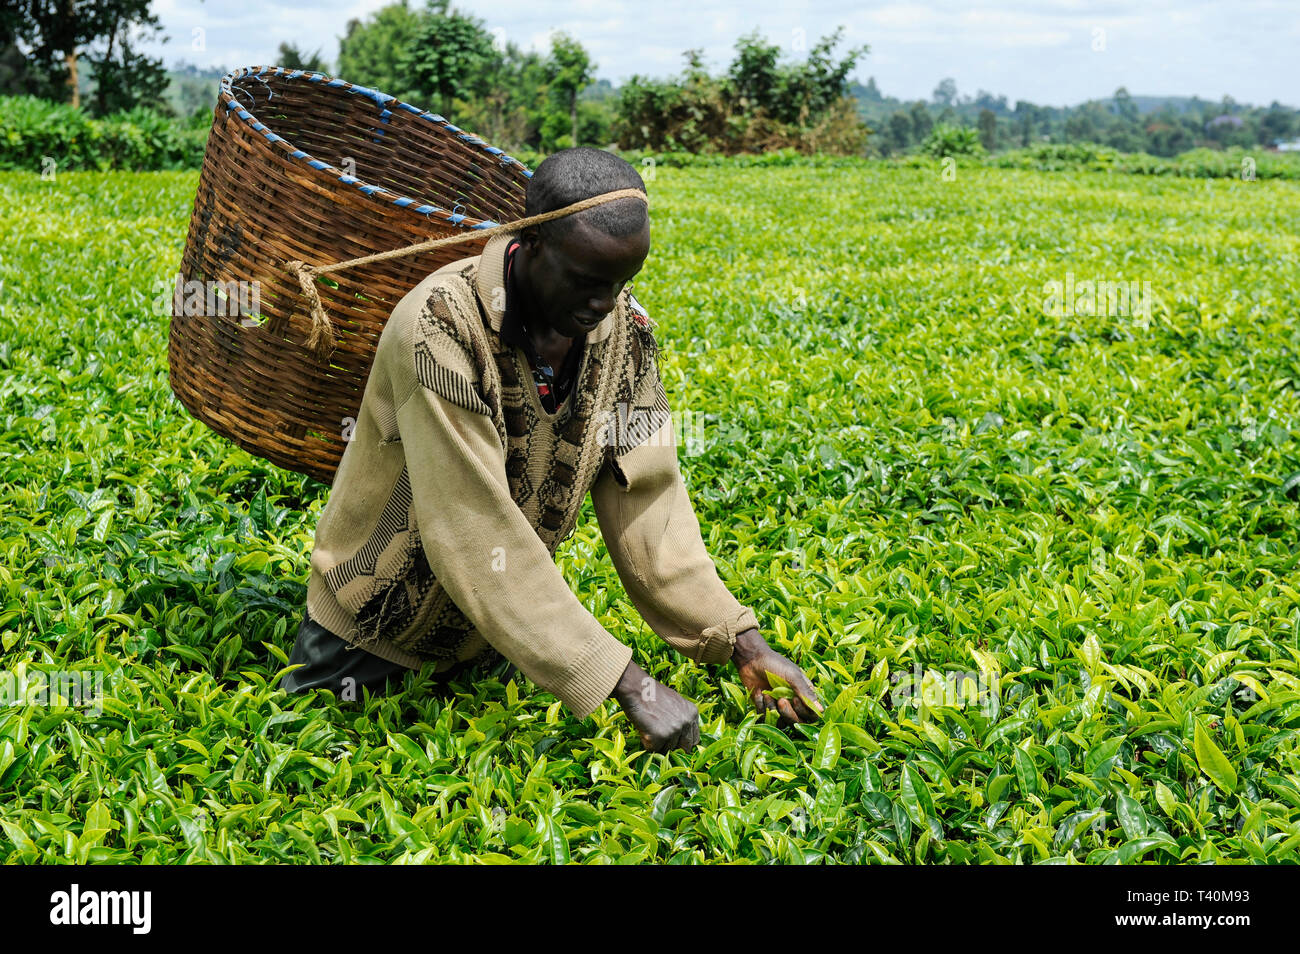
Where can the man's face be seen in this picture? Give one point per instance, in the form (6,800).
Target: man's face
(571,284)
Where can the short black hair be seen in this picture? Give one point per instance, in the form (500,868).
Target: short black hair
(572,175)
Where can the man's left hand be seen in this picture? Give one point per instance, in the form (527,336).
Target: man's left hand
(754,659)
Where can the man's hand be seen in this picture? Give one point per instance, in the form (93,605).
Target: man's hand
(664,718)
(754,659)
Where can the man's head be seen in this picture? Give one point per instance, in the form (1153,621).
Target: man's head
(574,267)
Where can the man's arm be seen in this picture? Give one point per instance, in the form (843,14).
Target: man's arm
(654,540)
(484,552)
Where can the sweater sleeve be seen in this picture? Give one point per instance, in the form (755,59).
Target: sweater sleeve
(653,538)
(484,552)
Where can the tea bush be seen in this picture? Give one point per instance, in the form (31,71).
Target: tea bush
(1232,163)
(946,140)
(36,135)
(1040,558)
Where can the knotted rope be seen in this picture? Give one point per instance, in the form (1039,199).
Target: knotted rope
(321,339)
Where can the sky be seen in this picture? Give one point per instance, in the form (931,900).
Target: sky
(1051,52)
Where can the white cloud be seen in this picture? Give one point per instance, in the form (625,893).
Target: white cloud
(902,16)
(1039,38)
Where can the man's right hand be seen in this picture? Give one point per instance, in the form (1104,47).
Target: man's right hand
(664,718)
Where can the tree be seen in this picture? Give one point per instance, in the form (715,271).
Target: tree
(754,73)
(1124,132)
(124,77)
(1125,108)
(922,122)
(450,57)
(50,34)
(696,73)
(898,132)
(568,72)
(988,129)
(1080,128)
(692,113)
(1276,124)
(1167,137)
(810,88)
(438,59)
(759,105)
(511,112)
(796,94)
(14,71)
(292,58)
(1026,114)
(986,100)
(945,94)
(372,53)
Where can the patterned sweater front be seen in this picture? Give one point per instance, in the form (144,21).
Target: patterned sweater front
(437,542)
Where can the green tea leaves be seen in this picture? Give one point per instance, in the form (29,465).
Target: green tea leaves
(1040,564)
(827,749)
(1212,760)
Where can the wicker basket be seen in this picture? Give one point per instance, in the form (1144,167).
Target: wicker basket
(269,192)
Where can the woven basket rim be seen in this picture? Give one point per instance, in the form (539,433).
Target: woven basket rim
(387,103)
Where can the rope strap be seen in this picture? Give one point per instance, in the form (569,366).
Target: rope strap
(321,339)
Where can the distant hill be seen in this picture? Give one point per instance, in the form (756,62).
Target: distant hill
(872,102)
(1179,104)
(194,87)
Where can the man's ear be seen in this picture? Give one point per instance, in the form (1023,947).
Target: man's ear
(531,238)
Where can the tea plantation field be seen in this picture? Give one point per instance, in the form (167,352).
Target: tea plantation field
(1041,561)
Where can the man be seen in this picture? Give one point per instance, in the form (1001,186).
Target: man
(504,388)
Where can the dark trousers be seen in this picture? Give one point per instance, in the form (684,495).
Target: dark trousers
(331,661)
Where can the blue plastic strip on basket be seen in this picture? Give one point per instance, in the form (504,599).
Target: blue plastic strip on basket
(382,99)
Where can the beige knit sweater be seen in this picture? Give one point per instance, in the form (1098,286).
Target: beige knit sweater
(437,542)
